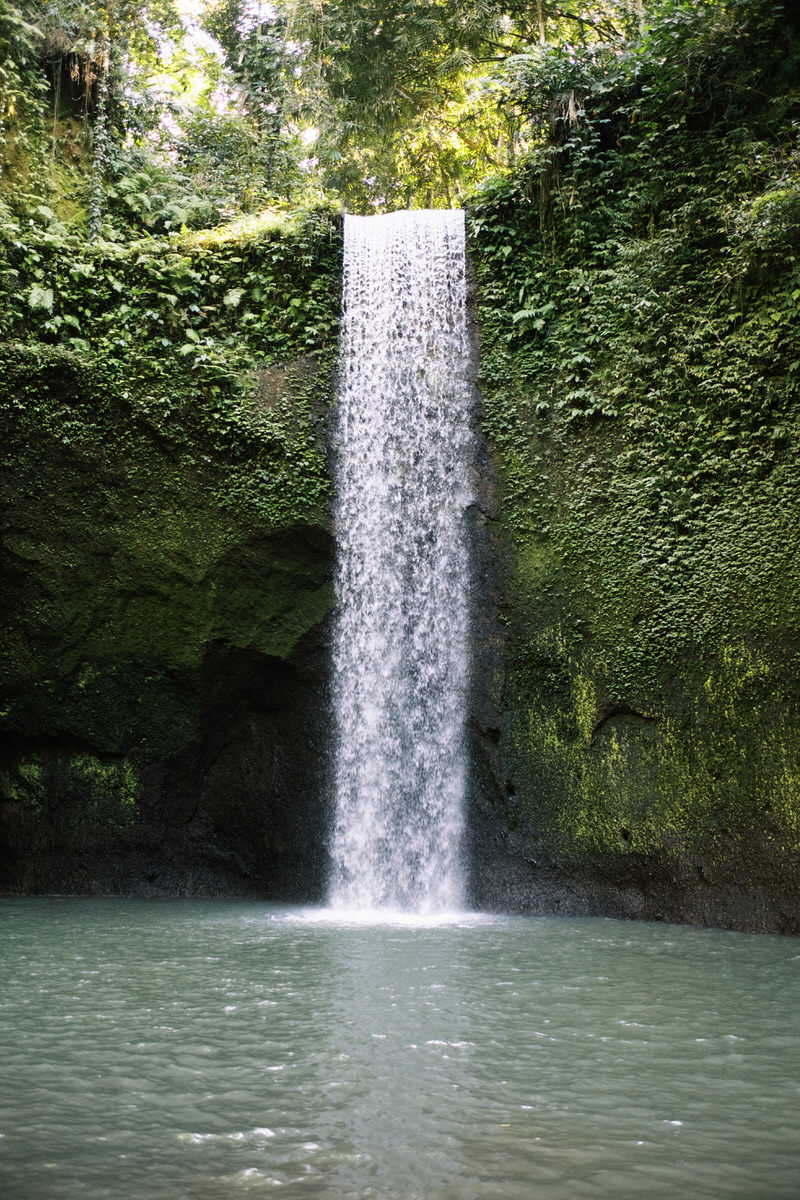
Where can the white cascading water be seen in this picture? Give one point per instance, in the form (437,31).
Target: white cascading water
(400,654)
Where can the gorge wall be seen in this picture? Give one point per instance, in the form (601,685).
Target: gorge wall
(166,574)
(639,296)
(167,548)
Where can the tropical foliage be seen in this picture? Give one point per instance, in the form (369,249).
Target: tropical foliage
(148,116)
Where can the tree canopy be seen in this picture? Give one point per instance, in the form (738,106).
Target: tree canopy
(147,116)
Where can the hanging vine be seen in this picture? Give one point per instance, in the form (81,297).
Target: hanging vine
(101,138)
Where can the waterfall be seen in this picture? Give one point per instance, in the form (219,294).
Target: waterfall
(400,656)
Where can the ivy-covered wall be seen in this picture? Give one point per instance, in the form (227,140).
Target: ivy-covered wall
(639,295)
(166,558)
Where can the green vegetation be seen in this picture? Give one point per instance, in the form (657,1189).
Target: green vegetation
(121,116)
(640,299)
(220,301)
(166,390)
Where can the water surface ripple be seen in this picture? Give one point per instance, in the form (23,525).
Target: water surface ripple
(199,1049)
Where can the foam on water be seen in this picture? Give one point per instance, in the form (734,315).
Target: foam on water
(343,917)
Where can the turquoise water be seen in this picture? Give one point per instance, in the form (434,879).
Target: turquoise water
(164,1049)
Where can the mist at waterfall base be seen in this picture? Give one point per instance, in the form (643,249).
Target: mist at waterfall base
(211,1049)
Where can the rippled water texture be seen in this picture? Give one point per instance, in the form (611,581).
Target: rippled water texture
(160,1050)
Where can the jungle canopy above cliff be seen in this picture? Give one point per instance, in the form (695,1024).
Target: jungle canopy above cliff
(120,118)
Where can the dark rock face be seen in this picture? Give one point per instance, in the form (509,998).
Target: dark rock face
(165,695)
(237,811)
(505,877)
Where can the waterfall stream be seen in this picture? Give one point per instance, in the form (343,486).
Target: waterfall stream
(400,657)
